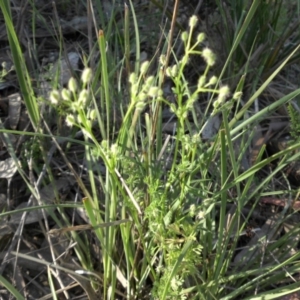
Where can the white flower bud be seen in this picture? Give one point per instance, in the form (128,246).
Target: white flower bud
(142,96)
(193,21)
(200,37)
(213,80)
(66,94)
(201,82)
(144,67)
(54,97)
(162,59)
(132,78)
(168,72)
(149,81)
(72,85)
(224,91)
(237,95)
(92,114)
(209,56)
(83,97)
(174,71)
(153,91)
(86,75)
(70,121)
(184,36)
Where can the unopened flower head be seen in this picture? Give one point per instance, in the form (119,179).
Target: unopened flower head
(209,56)
(140,105)
(132,78)
(192,211)
(237,95)
(86,75)
(200,37)
(88,123)
(216,105)
(174,71)
(193,21)
(54,97)
(149,81)
(201,82)
(72,85)
(134,89)
(162,59)
(142,96)
(213,80)
(75,106)
(224,91)
(184,36)
(83,97)
(81,119)
(92,114)
(144,67)
(114,149)
(66,94)
(70,121)
(153,91)
(168,72)
(104,144)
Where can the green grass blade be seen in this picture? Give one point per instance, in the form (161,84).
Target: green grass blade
(20,66)
(11,288)
(261,89)
(241,33)
(51,284)
(105,80)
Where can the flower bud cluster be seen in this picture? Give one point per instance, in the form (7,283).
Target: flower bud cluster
(74,100)
(141,92)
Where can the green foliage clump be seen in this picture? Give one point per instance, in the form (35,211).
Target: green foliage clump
(294,116)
